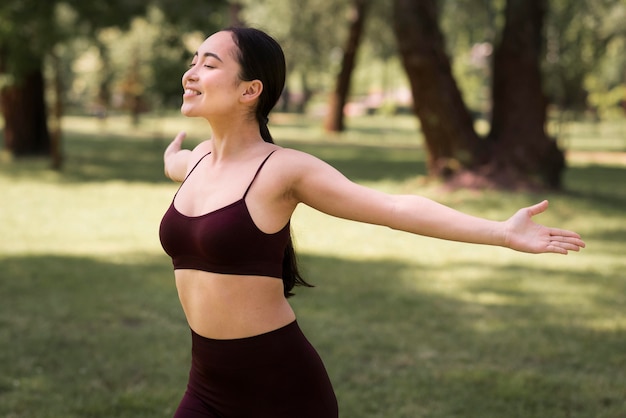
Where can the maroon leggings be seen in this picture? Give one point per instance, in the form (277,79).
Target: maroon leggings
(275,375)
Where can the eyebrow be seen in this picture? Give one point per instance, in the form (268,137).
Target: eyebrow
(210,54)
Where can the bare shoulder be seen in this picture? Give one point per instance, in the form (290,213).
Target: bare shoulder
(202,149)
(294,162)
(285,168)
(305,175)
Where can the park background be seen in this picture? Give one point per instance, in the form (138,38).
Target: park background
(90,324)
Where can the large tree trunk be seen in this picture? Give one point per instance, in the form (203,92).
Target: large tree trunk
(335,117)
(517,152)
(522,150)
(25,123)
(447,125)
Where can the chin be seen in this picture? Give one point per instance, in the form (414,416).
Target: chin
(186,111)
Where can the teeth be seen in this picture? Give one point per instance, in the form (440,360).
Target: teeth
(193,92)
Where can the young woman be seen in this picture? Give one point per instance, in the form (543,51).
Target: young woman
(227,231)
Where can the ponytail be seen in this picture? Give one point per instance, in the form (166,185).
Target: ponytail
(265,131)
(291,273)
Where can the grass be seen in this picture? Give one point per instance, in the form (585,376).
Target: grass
(90,324)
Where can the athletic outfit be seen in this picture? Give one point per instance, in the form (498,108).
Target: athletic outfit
(277,374)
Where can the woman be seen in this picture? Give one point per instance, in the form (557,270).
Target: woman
(227,231)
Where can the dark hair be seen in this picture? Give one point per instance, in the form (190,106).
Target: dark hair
(261,58)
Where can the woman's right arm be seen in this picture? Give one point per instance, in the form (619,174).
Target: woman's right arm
(176,159)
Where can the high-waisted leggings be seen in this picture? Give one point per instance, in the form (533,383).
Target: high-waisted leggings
(275,375)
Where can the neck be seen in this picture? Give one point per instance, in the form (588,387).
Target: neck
(233,138)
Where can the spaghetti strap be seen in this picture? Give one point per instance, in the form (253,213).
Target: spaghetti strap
(191,171)
(257,173)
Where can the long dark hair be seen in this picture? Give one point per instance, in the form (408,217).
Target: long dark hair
(261,58)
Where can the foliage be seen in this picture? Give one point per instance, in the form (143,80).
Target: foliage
(68,33)
(585,50)
(30,29)
(145,60)
(22,23)
(309,31)
(584,39)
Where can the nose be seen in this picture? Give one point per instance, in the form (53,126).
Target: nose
(190,74)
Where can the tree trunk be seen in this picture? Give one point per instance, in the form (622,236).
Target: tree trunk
(25,123)
(335,117)
(447,125)
(522,149)
(56,131)
(517,152)
(307,93)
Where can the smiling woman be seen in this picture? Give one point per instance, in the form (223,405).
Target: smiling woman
(228,232)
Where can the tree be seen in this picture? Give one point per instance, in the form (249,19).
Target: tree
(517,152)
(309,32)
(21,67)
(521,150)
(446,123)
(31,29)
(338,98)
(585,56)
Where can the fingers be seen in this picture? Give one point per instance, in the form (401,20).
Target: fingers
(180,137)
(556,249)
(560,241)
(562,244)
(538,208)
(565,236)
(176,143)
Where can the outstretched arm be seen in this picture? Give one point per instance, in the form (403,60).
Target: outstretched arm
(322,187)
(519,232)
(176,159)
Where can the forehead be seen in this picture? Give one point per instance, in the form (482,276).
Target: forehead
(221,44)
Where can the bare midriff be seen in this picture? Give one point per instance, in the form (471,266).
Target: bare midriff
(226,306)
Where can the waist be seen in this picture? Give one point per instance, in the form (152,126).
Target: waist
(226,306)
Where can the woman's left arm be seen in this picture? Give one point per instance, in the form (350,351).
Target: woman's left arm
(320,186)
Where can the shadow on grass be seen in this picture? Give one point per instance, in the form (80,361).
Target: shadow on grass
(96,158)
(603,185)
(363,163)
(110,157)
(491,348)
(100,338)
(93,158)
(87,337)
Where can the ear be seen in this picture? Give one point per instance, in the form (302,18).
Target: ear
(252,91)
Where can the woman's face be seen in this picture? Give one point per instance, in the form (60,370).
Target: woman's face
(211,84)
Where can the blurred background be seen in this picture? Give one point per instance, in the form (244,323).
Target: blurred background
(509,74)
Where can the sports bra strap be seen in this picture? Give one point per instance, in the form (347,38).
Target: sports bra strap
(194,167)
(257,173)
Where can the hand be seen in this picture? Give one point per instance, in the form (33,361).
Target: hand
(522,234)
(175,159)
(176,144)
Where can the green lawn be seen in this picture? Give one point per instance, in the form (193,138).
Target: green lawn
(90,324)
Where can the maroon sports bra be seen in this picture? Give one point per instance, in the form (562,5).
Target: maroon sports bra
(224,241)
